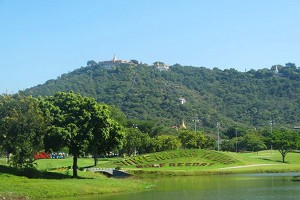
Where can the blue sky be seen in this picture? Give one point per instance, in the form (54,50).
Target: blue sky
(42,39)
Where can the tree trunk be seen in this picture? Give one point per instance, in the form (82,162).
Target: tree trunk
(7,157)
(283,154)
(95,159)
(75,158)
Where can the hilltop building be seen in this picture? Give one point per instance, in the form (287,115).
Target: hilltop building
(113,62)
(161,66)
(182,101)
(297,127)
(276,71)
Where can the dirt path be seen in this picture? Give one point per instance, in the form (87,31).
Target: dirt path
(244,166)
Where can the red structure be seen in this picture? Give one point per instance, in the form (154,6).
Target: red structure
(41,155)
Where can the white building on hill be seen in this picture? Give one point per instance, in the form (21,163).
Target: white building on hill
(113,62)
(161,66)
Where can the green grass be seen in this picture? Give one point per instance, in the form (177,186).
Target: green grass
(48,164)
(49,183)
(261,162)
(50,188)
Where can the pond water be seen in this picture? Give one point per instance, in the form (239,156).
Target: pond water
(254,187)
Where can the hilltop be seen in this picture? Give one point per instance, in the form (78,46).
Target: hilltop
(155,92)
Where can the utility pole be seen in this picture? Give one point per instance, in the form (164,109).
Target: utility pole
(236,141)
(271,124)
(196,120)
(218,124)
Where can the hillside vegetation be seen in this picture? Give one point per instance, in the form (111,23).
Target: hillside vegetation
(249,99)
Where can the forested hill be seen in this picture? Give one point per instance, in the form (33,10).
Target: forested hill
(230,97)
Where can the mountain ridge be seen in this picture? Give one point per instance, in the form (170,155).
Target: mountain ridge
(144,92)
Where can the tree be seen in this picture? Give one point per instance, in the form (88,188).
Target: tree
(291,65)
(228,145)
(236,98)
(79,123)
(22,128)
(191,140)
(253,142)
(285,141)
(134,61)
(116,114)
(107,135)
(158,63)
(91,63)
(210,143)
(137,142)
(168,142)
(133,140)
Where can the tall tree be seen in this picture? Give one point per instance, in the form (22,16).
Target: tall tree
(22,128)
(77,122)
(285,141)
(107,134)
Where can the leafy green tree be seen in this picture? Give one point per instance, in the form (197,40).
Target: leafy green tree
(134,61)
(22,128)
(228,145)
(80,124)
(210,143)
(158,63)
(117,115)
(168,142)
(291,65)
(137,142)
(192,140)
(233,132)
(133,141)
(150,145)
(253,142)
(4,99)
(285,141)
(149,127)
(91,63)
(107,135)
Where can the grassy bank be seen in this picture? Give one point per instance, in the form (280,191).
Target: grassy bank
(50,188)
(37,184)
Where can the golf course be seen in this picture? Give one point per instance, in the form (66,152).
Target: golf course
(52,178)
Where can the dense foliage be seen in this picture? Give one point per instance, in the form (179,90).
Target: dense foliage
(285,141)
(145,101)
(249,99)
(29,125)
(85,127)
(22,128)
(82,125)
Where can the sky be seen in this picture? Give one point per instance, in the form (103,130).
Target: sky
(42,39)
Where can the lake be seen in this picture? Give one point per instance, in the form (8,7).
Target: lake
(237,187)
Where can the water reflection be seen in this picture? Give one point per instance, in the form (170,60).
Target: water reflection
(237,187)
